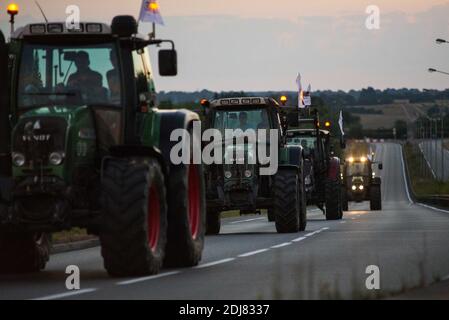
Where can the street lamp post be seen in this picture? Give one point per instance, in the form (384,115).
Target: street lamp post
(432,70)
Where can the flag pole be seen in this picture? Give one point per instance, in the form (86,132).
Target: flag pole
(153,33)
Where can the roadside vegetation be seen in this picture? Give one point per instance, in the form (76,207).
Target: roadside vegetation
(422,181)
(73,235)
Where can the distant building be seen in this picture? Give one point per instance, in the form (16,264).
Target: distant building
(401,101)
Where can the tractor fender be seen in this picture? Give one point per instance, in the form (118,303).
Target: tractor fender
(293,156)
(170,121)
(334,168)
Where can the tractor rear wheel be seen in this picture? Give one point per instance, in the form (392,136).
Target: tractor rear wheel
(186,216)
(333,200)
(302,202)
(213,222)
(375,198)
(24,252)
(344,199)
(270,214)
(133,232)
(286,201)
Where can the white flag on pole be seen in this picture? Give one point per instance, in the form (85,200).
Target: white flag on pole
(301,104)
(149,12)
(307,96)
(340,122)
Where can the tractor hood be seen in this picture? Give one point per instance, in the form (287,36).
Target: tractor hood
(58,132)
(63,112)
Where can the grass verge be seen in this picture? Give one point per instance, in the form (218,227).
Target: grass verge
(423,183)
(72,235)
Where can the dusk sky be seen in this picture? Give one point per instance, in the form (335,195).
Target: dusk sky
(262,45)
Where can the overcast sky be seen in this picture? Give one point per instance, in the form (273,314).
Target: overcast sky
(262,44)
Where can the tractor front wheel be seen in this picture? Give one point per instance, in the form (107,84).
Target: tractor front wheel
(24,252)
(287,201)
(375,198)
(133,232)
(333,200)
(213,223)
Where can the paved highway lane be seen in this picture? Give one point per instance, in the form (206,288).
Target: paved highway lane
(249,260)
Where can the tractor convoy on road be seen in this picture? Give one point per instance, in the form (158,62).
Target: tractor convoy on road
(83,144)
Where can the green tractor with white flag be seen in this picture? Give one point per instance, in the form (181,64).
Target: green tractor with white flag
(82,144)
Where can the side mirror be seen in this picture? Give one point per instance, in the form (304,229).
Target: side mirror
(381,166)
(168,63)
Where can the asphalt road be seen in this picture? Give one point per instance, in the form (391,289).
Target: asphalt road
(432,152)
(249,260)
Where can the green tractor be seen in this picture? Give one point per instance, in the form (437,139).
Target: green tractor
(233,185)
(322,167)
(360,182)
(82,144)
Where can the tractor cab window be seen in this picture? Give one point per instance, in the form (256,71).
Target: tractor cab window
(305,142)
(143,77)
(357,169)
(60,75)
(241,119)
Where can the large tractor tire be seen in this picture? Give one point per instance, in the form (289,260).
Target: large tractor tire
(375,198)
(133,232)
(333,200)
(286,201)
(344,199)
(24,252)
(186,216)
(271,216)
(303,202)
(213,223)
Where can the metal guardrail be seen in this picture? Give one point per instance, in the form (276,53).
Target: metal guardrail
(441,201)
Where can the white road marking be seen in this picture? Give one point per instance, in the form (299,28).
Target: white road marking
(325,228)
(248,220)
(281,245)
(66,294)
(342,222)
(310,234)
(214,263)
(298,239)
(432,208)
(404,175)
(248,254)
(156,276)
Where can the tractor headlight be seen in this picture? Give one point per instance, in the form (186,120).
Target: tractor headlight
(228,174)
(354,188)
(56,158)
(361,187)
(248,173)
(18,159)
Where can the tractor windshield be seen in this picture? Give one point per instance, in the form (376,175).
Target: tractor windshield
(357,169)
(55,75)
(303,141)
(243,119)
